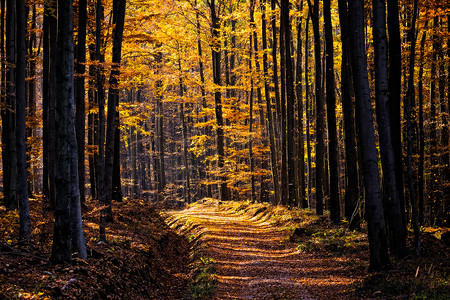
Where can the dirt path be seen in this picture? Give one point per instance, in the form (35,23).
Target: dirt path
(255,261)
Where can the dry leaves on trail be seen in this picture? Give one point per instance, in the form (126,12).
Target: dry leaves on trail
(255,260)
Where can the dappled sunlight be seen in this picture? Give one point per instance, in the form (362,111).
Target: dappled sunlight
(254,258)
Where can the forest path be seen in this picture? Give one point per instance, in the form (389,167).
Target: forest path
(254,259)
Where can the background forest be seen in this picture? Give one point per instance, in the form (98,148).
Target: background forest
(338,106)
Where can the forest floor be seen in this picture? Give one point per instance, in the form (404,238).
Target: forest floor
(142,257)
(233,250)
(258,251)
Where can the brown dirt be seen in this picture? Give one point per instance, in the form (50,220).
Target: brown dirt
(255,260)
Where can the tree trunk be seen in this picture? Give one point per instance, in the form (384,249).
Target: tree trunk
(409,128)
(80,118)
(290,100)
(333,147)
(395,67)
(379,257)
(68,233)
(9,122)
(351,159)
(320,111)
(271,122)
(113,103)
(223,189)
(393,209)
(421,132)
(21,148)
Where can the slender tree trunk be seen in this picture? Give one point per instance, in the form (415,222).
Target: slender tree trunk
(187,171)
(9,127)
(79,92)
(271,123)
(393,209)
(351,159)
(290,100)
(395,67)
(421,131)
(113,103)
(302,199)
(160,134)
(223,189)
(250,122)
(307,109)
(22,180)
(379,257)
(409,128)
(68,232)
(320,111)
(275,68)
(333,146)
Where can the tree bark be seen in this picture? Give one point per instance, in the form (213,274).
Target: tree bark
(351,159)
(223,189)
(68,233)
(21,148)
(333,146)
(393,209)
(379,257)
(79,92)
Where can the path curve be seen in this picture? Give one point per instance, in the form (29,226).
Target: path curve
(251,258)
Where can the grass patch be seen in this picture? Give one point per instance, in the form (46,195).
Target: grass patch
(204,280)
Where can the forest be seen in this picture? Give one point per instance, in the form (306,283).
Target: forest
(337,109)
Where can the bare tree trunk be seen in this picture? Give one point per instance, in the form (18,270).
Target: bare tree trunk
(379,257)
(79,92)
(333,146)
(223,190)
(22,180)
(68,232)
(397,237)
(270,120)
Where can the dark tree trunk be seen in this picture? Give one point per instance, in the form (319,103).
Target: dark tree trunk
(290,100)
(320,111)
(223,189)
(68,233)
(113,103)
(302,199)
(9,122)
(351,159)
(409,128)
(395,67)
(333,147)
(116,179)
(21,148)
(307,109)
(421,132)
(393,209)
(161,170)
(379,257)
(80,119)
(273,20)
(271,124)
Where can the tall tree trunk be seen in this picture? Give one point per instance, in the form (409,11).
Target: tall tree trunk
(290,100)
(379,257)
(307,109)
(273,21)
(187,171)
(409,128)
(113,103)
(351,159)
(3,86)
(250,121)
(80,118)
(223,189)
(68,232)
(302,200)
(395,67)
(421,131)
(9,127)
(22,180)
(393,209)
(271,122)
(320,110)
(333,147)
(160,134)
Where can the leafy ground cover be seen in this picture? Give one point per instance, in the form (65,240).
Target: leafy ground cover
(327,260)
(141,259)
